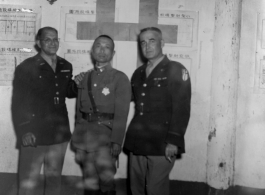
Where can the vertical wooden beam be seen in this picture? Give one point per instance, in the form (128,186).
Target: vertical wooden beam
(221,139)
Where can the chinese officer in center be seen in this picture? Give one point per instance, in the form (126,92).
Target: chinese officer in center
(104,95)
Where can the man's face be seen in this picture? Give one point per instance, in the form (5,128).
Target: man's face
(49,43)
(103,50)
(151,43)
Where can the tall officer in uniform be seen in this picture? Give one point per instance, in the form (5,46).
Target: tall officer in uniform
(102,108)
(162,93)
(40,117)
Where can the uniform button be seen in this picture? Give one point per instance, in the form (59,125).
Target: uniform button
(95,84)
(40,77)
(143,94)
(56,77)
(56,84)
(57,93)
(158,85)
(33,114)
(142,104)
(144,84)
(141,113)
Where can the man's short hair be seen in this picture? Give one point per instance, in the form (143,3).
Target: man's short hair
(152,29)
(41,30)
(108,37)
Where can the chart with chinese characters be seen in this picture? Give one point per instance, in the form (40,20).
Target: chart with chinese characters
(19,23)
(186,58)
(186,22)
(18,27)
(10,58)
(74,20)
(78,55)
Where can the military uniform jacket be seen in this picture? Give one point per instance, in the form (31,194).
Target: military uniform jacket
(162,108)
(112,94)
(38,102)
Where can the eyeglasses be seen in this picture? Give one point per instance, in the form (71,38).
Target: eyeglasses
(49,41)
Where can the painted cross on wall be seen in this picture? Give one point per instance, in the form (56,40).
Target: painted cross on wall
(101,20)
(124,31)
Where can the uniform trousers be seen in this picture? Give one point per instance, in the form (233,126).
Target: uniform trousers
(98,168)
(31,160)
(149,174)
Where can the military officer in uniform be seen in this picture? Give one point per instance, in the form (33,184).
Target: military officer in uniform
(162,91)
(102,108)
(40,86)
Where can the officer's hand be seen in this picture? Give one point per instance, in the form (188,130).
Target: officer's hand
(171,151)
(29,140)
(79,78)
(115,150)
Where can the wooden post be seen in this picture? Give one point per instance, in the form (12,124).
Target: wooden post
(221,139)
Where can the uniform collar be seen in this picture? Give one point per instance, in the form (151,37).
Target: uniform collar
(160,66)
(155,63)
(102,69)
(42,61)
(43,64)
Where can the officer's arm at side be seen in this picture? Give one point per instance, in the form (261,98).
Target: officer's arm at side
(72,89)
(21,110)
(122,104)
(180,89)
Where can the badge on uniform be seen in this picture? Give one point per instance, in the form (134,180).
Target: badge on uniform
(105,91)
(185,75)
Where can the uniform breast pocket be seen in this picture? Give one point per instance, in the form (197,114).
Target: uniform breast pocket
(42,81)
(159,89)
(62,80)
(64,77)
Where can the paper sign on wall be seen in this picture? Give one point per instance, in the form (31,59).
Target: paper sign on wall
(11,55)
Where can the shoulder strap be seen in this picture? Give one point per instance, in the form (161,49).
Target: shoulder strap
(89,82)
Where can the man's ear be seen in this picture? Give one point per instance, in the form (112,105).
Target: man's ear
(162,43)
(113,53)
(38,43)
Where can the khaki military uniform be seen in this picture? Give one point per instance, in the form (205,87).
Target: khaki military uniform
(101,124)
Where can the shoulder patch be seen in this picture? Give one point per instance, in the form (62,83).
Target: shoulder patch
(185,75)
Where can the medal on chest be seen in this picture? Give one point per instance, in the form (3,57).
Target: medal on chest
(105,91)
